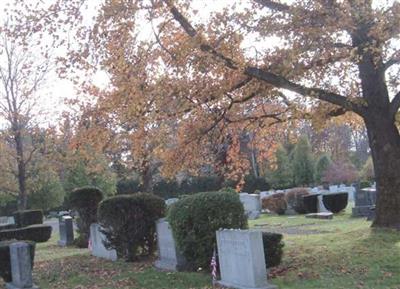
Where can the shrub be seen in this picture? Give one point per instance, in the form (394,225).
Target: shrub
(5,263)
(195,219)
(85,201)
(252,183)
(28,217)
(311,203)
(128,186)
(365,184)
(199,184)
(166,189)
(273,248)
(335,202)
(36,233)
(275,203)
(294,199)
(128,221)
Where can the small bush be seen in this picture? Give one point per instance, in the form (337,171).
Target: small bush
(252,183)
(85,201)
(128,221)
(273,248)
(166,189)
(5,262)
(311,203)
(195,219)
(128,186)
(275,203)
(28,217)
(294,199)
(336,202)
(365,184)
(36,233)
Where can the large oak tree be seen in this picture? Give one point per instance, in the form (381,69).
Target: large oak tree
(258,59)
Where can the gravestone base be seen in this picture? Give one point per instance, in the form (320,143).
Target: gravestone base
(253,215)
(63,243)
(323,216)
(228,285)
(167,266)
(12,286)
(361,211)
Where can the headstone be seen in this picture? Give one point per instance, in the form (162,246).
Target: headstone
(241,259)
(97,239)
(324,216)
(169,257)
(169,202)
(66,231)
(333,189)
(21,267)
(251,204)
(364,199)
(315,190)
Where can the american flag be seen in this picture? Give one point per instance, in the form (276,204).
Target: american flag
(90,245)
(214,267)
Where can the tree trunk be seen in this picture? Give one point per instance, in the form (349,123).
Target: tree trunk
(22,196)
(384,141)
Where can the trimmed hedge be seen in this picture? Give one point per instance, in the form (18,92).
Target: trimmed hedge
(28,217)
(85,201)
(275,203)
(128,222)
(195,219)
(273,248)
(36,233)
(5,261)
(335,202)
(311,203)
(294,199)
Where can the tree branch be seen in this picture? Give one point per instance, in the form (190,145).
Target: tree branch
(273,5)
(266,76)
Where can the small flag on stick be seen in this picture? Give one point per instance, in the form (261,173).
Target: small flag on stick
(214,267)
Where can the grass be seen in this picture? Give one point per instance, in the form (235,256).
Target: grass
(346,254)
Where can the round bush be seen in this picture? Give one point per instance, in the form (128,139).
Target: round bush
(273,248)
(311,203)
(128,221)
(275,203)
(294,199)
(5,264)
(335,202)
(195,219)
(85,201)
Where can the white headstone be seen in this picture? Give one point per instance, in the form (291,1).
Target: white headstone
(251,204)
(333,189)
(98,249)
(321,206)
(66,231)
(241,259)
(171,201)
(169,257)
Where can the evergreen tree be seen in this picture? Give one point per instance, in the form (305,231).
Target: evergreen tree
(303,163)
(282,176)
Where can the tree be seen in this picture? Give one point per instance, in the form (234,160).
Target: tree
(340,172)
(338,56)
(21,74)
(303,163)
(282,176)
(322,165)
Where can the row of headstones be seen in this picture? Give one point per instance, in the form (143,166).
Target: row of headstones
(240,254)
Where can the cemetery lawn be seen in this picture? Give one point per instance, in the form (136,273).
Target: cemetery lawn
(325,254)
(332,254)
